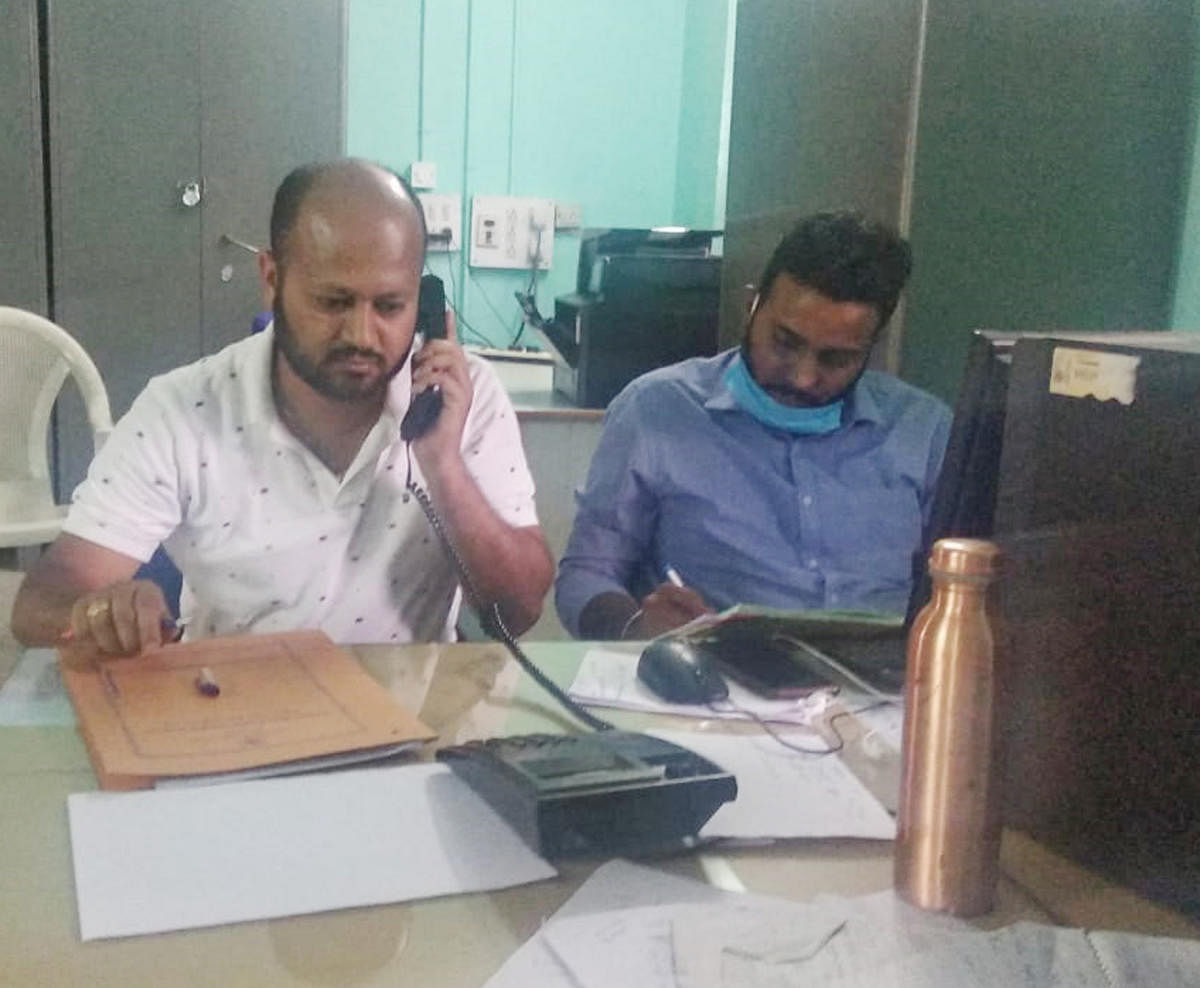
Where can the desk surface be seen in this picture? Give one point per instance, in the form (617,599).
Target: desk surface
(462,691)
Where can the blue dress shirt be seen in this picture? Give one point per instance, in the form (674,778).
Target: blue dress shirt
(749,514)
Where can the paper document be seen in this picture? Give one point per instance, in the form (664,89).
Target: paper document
(883,720)
(616,885)
(608,678)
(770,619)
(783,793)
(273,699)
(657,935)
(173,859)
(34,695)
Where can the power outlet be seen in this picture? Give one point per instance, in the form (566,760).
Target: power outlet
(510,232)
(423,175)
(568,216)
(443,221)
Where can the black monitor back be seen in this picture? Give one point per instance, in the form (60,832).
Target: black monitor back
(1098,511)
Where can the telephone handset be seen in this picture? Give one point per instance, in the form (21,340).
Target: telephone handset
(425,407)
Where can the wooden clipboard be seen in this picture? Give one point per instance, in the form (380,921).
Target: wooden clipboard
(282,698)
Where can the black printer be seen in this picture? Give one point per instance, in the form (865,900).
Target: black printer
(643,299)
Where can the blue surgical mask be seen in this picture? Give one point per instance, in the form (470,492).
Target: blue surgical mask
(800,421)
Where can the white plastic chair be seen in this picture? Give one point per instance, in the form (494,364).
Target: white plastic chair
(35,358)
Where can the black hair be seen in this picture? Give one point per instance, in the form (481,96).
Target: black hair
(845,257)
(294,189)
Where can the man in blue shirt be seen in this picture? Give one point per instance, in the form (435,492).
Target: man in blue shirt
(780,473)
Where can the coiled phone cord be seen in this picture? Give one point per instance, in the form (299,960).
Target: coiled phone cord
(491,620)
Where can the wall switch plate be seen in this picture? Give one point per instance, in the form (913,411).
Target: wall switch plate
(423,175)
(443,214)
(511,232)
(568,216)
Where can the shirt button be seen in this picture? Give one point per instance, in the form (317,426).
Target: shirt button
(812,564)
(806,500)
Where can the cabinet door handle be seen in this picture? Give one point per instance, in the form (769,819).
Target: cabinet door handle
(226,240)
(191,192)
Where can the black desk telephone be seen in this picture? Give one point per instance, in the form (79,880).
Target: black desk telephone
(611,792)
(425,407)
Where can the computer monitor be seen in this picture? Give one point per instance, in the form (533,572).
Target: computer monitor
(964,500)
(1092,496)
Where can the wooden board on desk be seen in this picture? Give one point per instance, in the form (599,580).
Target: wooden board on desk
(283,698)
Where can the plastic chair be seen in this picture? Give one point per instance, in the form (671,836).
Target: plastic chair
(35,358)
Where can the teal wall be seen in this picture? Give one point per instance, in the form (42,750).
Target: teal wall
(613,105)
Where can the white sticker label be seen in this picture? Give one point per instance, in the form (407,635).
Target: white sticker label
(1103,375)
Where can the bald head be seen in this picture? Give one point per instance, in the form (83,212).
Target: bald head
(349,189)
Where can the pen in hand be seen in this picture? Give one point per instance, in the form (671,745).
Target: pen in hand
(673,577)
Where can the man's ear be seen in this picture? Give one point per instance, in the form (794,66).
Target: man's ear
(268,277)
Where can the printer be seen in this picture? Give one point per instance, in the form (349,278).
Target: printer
(643,299)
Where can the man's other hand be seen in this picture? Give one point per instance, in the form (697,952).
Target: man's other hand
(122,619)
(666,608)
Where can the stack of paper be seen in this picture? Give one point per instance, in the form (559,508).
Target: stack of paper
(629,926)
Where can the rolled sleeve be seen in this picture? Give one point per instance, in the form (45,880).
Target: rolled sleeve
(130,500)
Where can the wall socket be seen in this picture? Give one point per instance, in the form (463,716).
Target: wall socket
(422,175)
(568,216)
(442,213)
(510,232)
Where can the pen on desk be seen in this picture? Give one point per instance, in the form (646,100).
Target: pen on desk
(673,576)
(206,682)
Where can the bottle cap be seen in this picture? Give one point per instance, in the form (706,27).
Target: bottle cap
(964,557)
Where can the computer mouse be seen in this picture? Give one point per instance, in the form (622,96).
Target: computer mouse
(679,672)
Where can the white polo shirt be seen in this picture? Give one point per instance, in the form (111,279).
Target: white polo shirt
(267,538)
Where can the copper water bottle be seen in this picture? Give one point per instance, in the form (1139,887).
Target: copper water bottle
(948,828)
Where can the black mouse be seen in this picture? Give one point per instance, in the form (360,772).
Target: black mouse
(679,672)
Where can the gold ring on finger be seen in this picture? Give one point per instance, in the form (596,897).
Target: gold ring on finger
(96,608)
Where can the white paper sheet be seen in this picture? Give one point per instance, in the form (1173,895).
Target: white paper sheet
(613,886)
(174,859)
(608,678)
(884,722)
(34,695)
(638,927)
(783,793)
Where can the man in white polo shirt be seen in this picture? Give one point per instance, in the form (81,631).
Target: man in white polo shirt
(274,474)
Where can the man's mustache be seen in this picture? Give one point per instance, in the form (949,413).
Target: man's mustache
(353,352)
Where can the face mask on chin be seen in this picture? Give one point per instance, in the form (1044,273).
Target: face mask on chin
(799,421)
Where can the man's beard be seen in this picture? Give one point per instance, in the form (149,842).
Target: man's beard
(321,375)
(793,397)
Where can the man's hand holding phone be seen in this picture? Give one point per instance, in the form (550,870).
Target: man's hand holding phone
(442,364)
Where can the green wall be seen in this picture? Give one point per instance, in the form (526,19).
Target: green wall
(1050,171)
(612,105)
